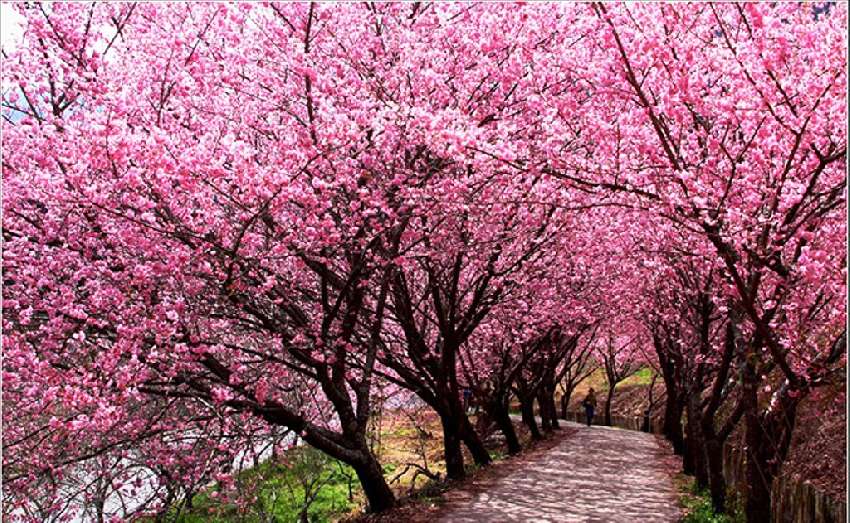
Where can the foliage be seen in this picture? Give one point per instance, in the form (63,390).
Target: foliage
(281,492)
(698,507)
(642,377)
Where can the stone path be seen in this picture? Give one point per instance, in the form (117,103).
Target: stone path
(599,474)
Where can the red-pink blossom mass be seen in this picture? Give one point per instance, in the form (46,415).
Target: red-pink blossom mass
(230,224)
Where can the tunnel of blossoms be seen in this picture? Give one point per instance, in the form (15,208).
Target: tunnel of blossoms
(232,224)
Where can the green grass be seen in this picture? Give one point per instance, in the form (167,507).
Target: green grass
(642,377)
(498,454)
(698,507)
(280,492)
(597,380)
(400,432)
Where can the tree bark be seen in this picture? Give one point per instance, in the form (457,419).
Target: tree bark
(673,421)
(503,421)
(608,398)
(527,410)
(473,442)
(552,408)
(768,439)
(757,504)
(547,398)
(553,412)
(452,449)
(673,405)
(543,407)
(716,481)
(375,487)
(565,402)
(712,438)
(695,449)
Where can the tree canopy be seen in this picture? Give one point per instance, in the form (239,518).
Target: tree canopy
(224,221)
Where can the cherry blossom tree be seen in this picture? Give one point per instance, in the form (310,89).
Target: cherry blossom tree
(180,272)
(618,360)
(225,223)
(725,119)
(207,206)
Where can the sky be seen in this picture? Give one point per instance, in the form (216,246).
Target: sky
(10,26)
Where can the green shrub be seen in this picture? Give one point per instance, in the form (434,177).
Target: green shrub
(280,492)
(698,507)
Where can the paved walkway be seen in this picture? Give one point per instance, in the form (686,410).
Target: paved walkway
(599,474)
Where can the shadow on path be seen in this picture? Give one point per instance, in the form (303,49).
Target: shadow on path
(600,474)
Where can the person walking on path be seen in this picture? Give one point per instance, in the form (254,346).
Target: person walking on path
(589,405)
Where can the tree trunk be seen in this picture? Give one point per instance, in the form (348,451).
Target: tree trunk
(672,428)
(353,451)
(713,440)
(551,407)
(757,503)
(768,439)
(565,402)
(695,449)
(378,493)
(452,449)
(545,419)
(473,442)
(608,399)
(503,421)
(673,422)
(716,481)
(546,399)
(688,463)
(527,410)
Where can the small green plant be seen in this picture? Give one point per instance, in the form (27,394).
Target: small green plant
(698,507)
(307,487)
